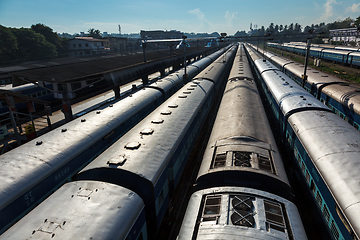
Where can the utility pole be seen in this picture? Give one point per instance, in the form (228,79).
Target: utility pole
(304,76)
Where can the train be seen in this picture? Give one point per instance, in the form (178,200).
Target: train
(29,90)
(124,192)
(242,190)
(340,96)
(29,173)
(340,55)
(324,148)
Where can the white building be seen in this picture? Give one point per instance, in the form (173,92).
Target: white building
(87,46)
(345,35)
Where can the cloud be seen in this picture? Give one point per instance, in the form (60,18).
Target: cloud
(230,17)
(354,8)
(200,15)
(205,25)
(328,10)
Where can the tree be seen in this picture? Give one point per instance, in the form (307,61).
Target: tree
(281,28)
(357,21)
(8,45)
(32,45)
(94,33)
(50,36)
(297,28)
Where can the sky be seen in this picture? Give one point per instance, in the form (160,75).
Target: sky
(229,16)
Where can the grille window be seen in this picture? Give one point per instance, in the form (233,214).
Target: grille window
(274,216)
(243,214)
(242,159)
(211,209)
(220,160)
(303,166)
(307,176)
(326,213)
(318,199)
(334,231)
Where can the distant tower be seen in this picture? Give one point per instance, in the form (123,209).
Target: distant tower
(251,26)
(119,29)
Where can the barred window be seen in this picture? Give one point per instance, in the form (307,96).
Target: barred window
(334,231)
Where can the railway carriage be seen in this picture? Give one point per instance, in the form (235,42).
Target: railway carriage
(324,147)
(85,210)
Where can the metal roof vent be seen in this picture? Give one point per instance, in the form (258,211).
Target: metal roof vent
(324,76)
(190,88)
(173,106)
(63,130)
(165,112)
(182,96)
(186,92)
(157,121)
(132,145)
(193,85)
(119,161)
(147,131)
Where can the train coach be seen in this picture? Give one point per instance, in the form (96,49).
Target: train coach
(145,164)
(324,147)
(29,90)
(242,191)
(340,55)
(340,96)
(34,170)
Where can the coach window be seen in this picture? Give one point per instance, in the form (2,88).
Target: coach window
(212,209)
(312,186)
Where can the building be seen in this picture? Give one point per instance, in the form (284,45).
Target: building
(161,34)
(80,46)
(345,35)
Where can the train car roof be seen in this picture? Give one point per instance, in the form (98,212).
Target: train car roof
(148,147)
(21,167)
(334,51)
(334,147)
(237,126)
(81,210)
(347,95)
(289,95)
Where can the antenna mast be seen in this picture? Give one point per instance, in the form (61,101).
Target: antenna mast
(119,29)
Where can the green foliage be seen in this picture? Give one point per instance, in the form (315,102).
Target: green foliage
(357,21)
(32,45)
(94,33)
(50,36)
(24,44)
(8,45)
